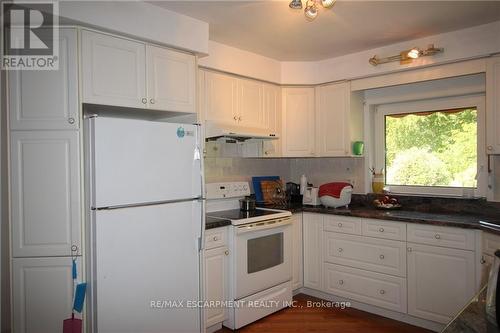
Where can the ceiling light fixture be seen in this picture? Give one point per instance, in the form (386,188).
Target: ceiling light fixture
(312,7)
(407,56)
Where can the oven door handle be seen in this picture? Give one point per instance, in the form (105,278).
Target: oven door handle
(264,225)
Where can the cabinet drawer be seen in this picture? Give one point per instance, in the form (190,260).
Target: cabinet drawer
(491,243)
(441,236)
(372,288)
(346,225)
(215,237)
(378,255)
(384,229)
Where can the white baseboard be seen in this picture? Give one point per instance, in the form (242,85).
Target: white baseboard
(213,328)
(403,317)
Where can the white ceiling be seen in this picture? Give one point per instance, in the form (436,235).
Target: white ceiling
(272,29)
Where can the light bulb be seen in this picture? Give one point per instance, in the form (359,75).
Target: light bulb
(327,3)
(311,11)
(414,53)
(295,4)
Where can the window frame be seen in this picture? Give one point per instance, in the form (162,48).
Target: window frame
(439,104)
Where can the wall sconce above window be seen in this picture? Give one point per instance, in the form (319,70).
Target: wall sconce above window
(407,56)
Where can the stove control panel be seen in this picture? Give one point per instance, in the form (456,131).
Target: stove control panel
(227,190)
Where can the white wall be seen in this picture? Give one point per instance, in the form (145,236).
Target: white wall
(141,20)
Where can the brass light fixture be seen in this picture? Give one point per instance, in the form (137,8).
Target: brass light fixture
(311,7)
(407,56)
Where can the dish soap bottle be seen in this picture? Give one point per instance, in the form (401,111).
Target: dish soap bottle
(303,184)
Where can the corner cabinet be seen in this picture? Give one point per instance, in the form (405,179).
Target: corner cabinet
(313,249)
(298,122)
(122,72)
(297,261)
(493,105)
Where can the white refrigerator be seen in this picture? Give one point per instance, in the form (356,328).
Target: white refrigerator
(145,225)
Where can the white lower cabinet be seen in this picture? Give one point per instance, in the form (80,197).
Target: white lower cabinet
(42,293)
(381,290)
(297,262)
(313,239)
(216,275)
(440,281)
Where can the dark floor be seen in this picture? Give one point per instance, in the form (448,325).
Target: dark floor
(322,319)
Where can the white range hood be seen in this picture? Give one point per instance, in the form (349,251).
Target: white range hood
(214,130)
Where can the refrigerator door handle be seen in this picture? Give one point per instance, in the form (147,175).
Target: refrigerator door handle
(146,204)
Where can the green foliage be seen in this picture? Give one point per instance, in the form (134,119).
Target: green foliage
(438,148)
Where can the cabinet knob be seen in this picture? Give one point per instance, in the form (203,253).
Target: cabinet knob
(382,291)
(381,257)
(226,252)
(482,261)
(437,236)
(239,118)
(409,249)
(144,100)
(266,153)
(74,248)
(71,120)
(216,238)
(489,147)
(152,101)
(235,118)
(381,229)
(340,225)
(341,249)
(341,282)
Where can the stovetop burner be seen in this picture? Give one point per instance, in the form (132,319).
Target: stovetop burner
(237,214)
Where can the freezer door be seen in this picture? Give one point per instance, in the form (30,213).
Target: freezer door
(145,257)
(140,161)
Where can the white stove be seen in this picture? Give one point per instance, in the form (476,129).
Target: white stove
(260,243)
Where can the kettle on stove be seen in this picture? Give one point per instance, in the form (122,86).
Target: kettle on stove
(492,295)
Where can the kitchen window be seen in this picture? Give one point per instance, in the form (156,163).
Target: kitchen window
(432,147)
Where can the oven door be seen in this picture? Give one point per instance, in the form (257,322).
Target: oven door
(263,257)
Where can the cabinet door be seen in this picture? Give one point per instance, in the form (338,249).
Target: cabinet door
(45,202)
(220,98)
(272,110)
(493,105)
(42,293)
(170,80)
(251,104)
(113,71)
(298,122)
(47,99)
(297,262)
(332,120)
(216,283)
(313,244)
(440,281)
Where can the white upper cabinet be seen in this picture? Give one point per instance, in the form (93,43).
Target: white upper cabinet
(48,99)
(251,104)
(122,72)
(113,70)
(440,281)
(272,110)
(493,105)
(220,93)
(42,293)
(45,193)
(171,79)
(298,122)
(332,120)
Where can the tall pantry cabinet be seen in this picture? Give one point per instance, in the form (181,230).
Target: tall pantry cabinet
(45,191)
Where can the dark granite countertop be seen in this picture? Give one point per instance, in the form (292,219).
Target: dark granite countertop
(472,318)
(451,219)
(215,222)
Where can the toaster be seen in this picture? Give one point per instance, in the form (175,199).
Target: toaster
(311,196)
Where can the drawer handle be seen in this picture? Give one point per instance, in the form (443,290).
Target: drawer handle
(341,282)
(226,252)
(216,238)
(382,291)
(340,225)
(438,236)
(381,229)
(381,257)
(341,249)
